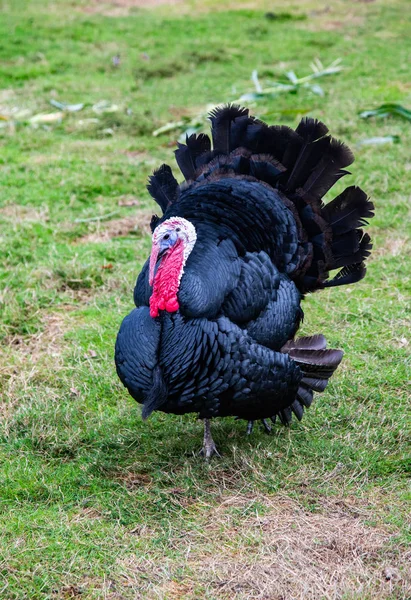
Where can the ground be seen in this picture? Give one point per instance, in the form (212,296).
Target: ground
(94,502)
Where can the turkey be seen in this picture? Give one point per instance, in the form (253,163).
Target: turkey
(239,244)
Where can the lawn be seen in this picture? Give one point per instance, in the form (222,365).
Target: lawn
(94,502)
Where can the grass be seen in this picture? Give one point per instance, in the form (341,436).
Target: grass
(94,502)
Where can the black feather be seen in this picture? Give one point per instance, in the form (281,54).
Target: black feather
(221,123)
(316,358)
(305,395)
(347,275)
(163,187)
(329,169)
(310,131)
(346,244)
(314,342)
(198,144)
(349,210)
(245,133)
(285,416)
(188,154)
(297,409)
(157,395)
(283,143)
(316,363)
(314,383)
(365,246)
(356,253)
(264,169)
(154,222)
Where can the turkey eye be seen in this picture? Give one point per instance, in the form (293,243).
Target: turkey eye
(166,236)
(178,229)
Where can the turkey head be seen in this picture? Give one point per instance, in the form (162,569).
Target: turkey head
(173,241)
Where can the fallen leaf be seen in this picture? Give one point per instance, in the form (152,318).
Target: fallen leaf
(67,107)
(387,109)
(47,117)
(103,106)
(378,141)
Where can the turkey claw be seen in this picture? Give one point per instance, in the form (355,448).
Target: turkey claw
(267,426)
(209,448)
(208,451)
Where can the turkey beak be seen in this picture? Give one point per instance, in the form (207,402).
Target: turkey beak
(155,250)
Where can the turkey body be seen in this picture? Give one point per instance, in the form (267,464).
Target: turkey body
(220,370)
(236,312)
(218,302)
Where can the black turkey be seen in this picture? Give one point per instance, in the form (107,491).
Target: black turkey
(239,243)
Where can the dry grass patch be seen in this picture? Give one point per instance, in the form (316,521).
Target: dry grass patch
(137,157)
(46,342)
(23,358)
(104,232)
(133,480)
(86,514)
(393,246)
(16,213)
(350,20)
(68,591)
(121,8)
(270,547)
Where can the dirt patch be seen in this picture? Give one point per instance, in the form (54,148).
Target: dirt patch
(121,8)
(133,480)
(261,547)
(46,342)
(351,21)
(68,591)
(393,246)
(136,157)
(18,213)
(23,358)
(86,514)
(300,554)
(104,232)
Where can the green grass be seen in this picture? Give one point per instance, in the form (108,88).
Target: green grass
(94,502)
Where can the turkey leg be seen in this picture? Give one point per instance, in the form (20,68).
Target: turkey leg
(209,447)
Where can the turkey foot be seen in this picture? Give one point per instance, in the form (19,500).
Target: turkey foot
(267,427)
(209,448)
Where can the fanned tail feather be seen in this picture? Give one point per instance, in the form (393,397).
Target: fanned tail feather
(348,275)
(302,165)
(317,364)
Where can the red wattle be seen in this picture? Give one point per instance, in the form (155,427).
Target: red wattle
(167,281)
(172,305)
